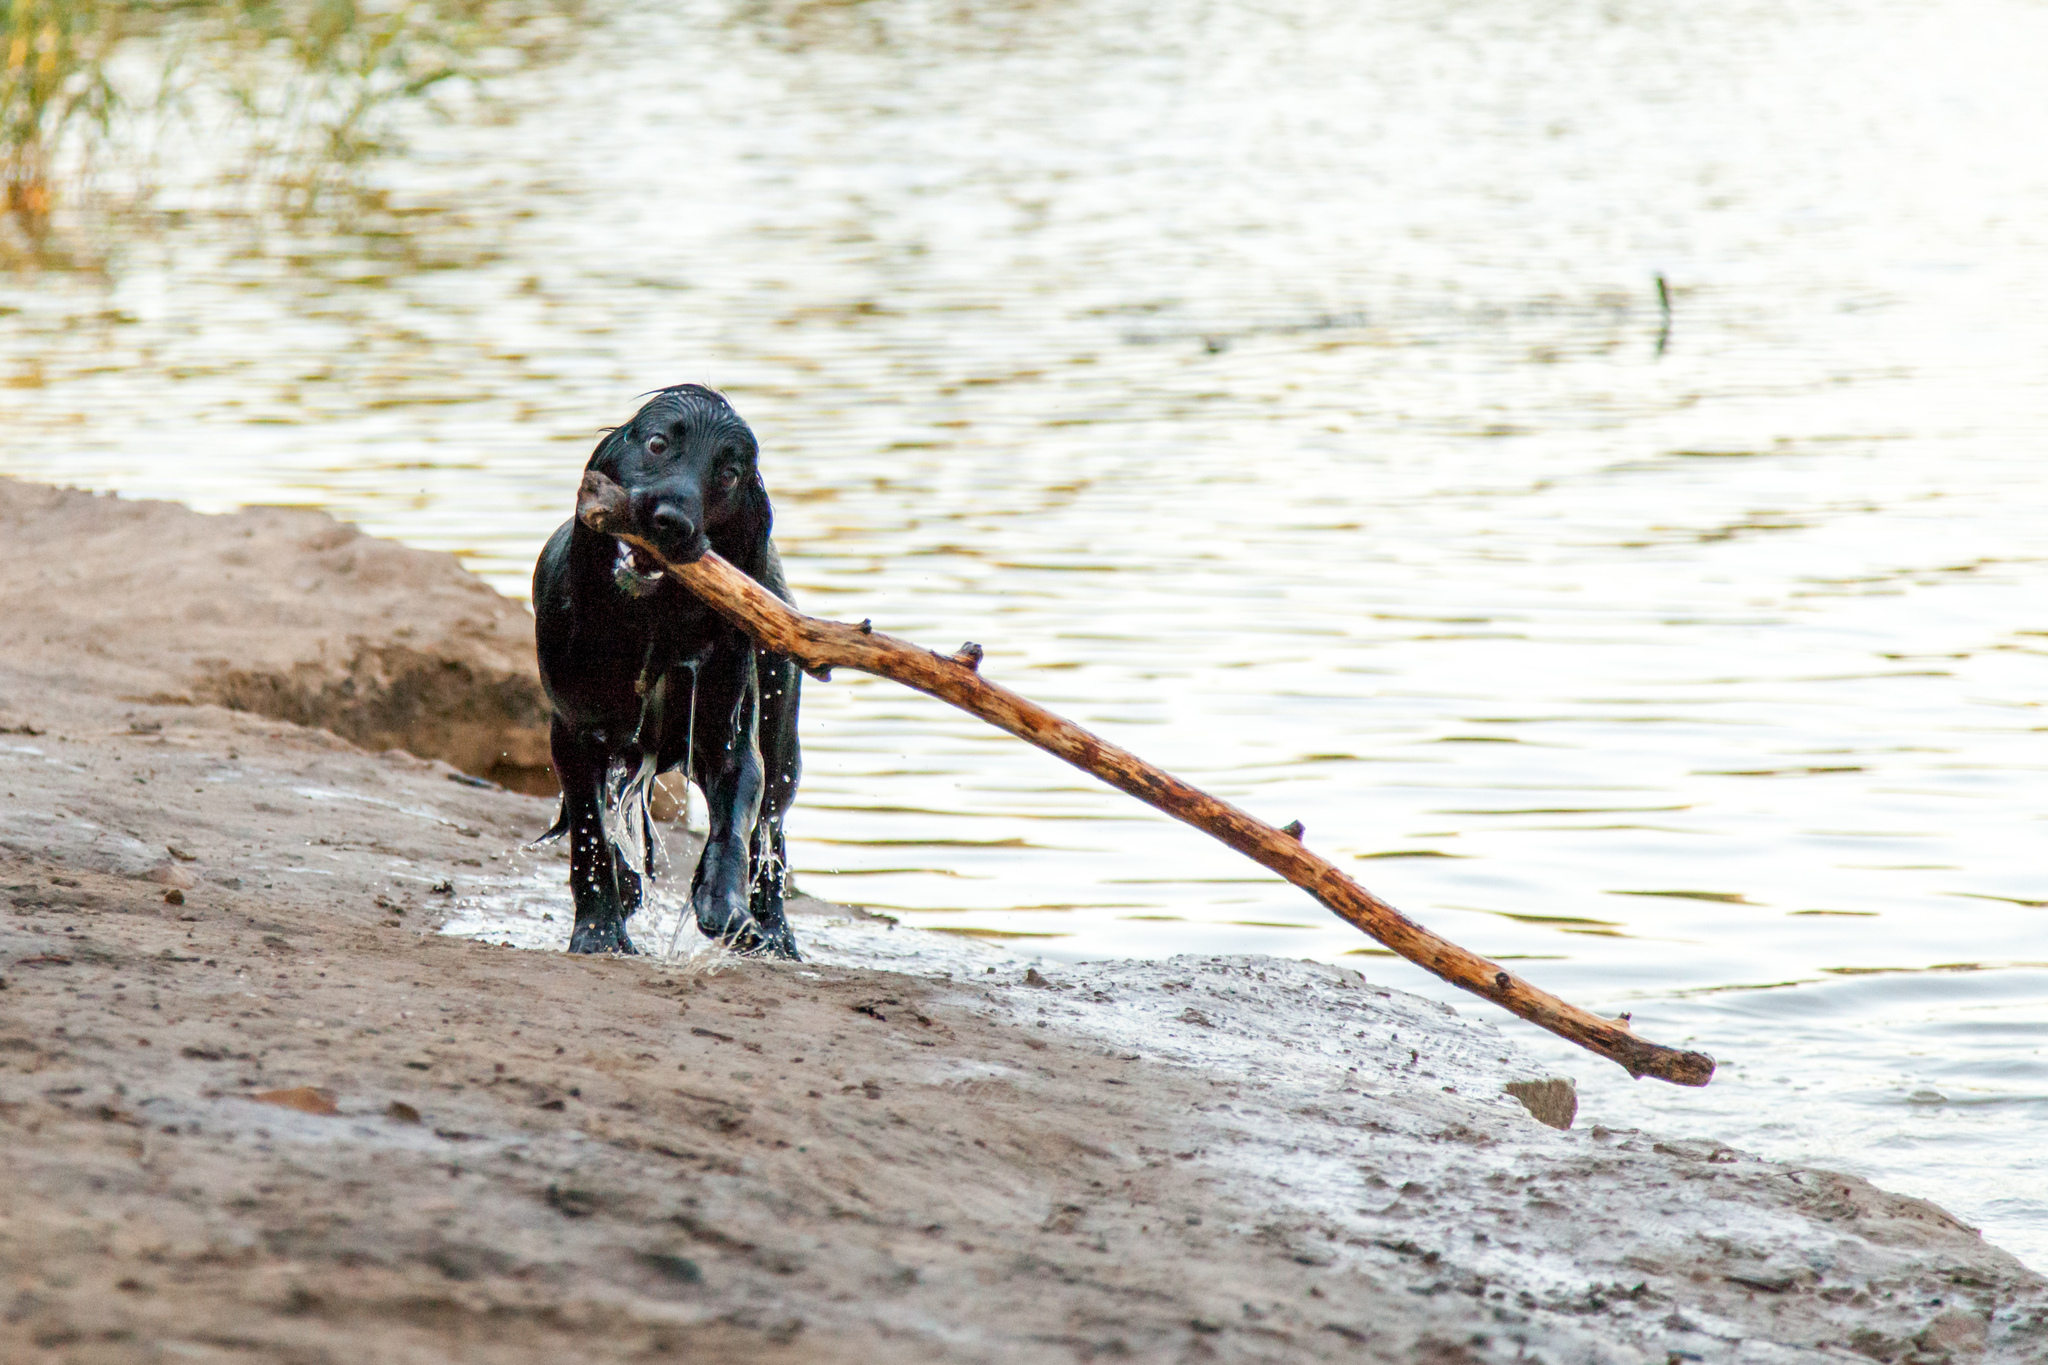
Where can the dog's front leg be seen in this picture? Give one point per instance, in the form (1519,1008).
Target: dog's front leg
(595,868)
(781,763)
(770,884)
(729,771)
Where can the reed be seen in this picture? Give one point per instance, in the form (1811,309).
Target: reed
(324,85)
(310,94)
(54,81)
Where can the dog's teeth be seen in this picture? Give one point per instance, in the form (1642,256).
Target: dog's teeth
(628,573)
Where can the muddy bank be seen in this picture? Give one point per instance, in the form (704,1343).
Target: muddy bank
(284,612)
(903,1149)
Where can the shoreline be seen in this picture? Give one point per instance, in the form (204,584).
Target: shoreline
(533,1155)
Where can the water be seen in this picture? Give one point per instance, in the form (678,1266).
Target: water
(1283,391)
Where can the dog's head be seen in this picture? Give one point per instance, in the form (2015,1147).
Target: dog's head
(690,468)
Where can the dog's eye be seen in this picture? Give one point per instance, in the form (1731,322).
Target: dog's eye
(657,445)
(728,477)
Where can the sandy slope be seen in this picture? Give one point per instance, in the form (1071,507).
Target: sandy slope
(899,1150)
(277,610)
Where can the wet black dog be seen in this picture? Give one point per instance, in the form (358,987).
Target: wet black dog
(645,678)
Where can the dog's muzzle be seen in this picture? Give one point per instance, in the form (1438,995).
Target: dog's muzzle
(635,571)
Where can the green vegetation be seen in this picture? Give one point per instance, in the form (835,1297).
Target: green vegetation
(54,78)
(299,96)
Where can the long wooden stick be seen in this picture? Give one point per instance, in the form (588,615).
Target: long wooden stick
(820,646)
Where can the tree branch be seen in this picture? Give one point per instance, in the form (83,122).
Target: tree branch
(820,646)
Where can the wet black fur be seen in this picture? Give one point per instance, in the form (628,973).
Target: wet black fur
(615,656)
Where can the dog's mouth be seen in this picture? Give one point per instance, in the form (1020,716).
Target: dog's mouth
(636,572)
(632,557)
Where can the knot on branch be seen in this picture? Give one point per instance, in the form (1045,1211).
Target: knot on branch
(1294,829)
(970,655)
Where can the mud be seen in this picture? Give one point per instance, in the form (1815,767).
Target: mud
(258,1106)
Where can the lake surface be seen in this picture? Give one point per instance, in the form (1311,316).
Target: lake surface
(1284,391)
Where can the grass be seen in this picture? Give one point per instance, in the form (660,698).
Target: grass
(54,81)
(311,93)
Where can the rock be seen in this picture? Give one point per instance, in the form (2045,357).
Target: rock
(1554,1101)
(681,1269)
(173,876)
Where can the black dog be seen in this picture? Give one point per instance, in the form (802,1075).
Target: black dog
(645,678)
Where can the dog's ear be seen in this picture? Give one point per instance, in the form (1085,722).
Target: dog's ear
(605,458)
(755,517)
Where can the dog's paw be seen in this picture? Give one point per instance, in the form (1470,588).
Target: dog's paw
(778,942)
(751,941)
(600,936)
(743,934)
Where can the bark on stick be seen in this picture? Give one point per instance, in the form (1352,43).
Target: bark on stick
(820,646)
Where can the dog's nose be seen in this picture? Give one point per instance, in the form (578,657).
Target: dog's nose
(673,525)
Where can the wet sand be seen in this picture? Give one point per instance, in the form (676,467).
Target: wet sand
(904,1149)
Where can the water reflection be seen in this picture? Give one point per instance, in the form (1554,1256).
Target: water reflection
(1286,391)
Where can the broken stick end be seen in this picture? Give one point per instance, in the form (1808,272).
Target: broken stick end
(599,501)
(1669,1064)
